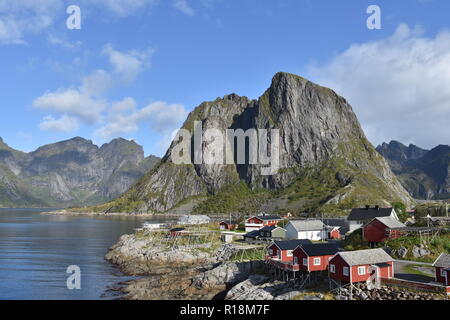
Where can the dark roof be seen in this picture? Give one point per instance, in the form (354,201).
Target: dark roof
(268,228)
(252,234)
(336,222)
(369,213)
(268,217)
(320,249)
(177,229)
(291,244)
(383,265)
(229,222)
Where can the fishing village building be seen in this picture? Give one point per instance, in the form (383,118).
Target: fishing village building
(353,266)
(381,229)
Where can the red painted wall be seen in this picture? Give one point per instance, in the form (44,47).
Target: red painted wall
(335,234)
(300,254)
(284,256)
(375,231)
(386,272)
(254,220)
(439,277)
(339,265)
(266,223)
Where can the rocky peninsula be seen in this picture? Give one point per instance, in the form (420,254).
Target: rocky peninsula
(170,268)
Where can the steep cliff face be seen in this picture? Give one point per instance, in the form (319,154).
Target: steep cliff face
(424,173)
(72,172)
(325,161)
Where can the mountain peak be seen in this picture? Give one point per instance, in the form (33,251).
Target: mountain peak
(318,132)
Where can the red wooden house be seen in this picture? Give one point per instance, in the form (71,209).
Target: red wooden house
(283,251)
(381,229)
(314,257)
(442,269)
(353,266)
(228,225)
(259,222)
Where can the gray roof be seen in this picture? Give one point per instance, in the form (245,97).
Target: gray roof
(369,256)
(443,261)
(391,222)
(359,214)
(307,225)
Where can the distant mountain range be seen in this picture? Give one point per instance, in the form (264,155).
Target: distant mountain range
(424,173)
(70,173)
(327,164)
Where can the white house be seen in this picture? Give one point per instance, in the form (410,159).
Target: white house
(306,229)
(360,216)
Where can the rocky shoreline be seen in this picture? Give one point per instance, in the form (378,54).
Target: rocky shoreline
(188,272)
(205,272)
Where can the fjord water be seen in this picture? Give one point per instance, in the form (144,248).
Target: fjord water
(36,249)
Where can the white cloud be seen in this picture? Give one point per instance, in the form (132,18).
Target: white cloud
(399,86)
(72,102)
(87,102)
(124,8)
(183,6)
(125,118)
(19,17)
(129,64)
(64,124)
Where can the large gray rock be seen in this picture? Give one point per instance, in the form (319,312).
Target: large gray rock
(227,273)
(318,129)
(402,252)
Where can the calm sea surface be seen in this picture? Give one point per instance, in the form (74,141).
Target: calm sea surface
(36,249)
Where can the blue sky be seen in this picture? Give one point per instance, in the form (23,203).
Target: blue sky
(137,67)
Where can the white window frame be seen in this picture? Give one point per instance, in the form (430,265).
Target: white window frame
(305,261)
(290,253)
(317,261)
(346,271)
(363,272)
(295,260)
(271,252)
(332,268)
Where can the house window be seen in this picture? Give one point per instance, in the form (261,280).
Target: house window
(332,268)
(361,271)
(443,272)
(270,251)
(345,271)
(317,261)
(295,260)
(305,261)
(289,253)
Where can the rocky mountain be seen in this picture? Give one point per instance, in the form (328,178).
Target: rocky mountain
(70,173)
(326,163)
(424,173)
